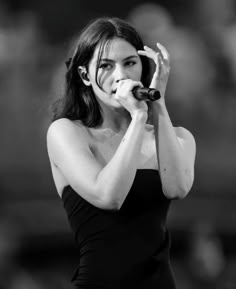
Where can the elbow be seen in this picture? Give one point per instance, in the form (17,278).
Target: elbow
(109,202)
(180,190)
(185,188)
(110,205)
(185,184)
(176,193)
(109,197)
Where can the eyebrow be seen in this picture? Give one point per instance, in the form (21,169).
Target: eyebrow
(125,59)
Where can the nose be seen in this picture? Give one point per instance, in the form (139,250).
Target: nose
(120,73)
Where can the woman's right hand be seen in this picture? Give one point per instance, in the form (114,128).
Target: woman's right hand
(126,98)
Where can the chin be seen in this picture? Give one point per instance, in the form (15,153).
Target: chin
(112,104)
(117,105)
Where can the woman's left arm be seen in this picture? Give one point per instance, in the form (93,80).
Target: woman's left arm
(175,152)
(176,148)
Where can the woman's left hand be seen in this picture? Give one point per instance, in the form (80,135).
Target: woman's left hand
(162,61)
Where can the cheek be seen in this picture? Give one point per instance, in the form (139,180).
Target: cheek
(138,72)
(103,83)
(103,78)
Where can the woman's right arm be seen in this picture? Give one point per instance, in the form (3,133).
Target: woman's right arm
(104,187)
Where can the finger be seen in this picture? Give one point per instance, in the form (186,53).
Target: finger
(148,48)
(147,54)
(129,84)
(137,83)
(159,61)
(156,55)
(151,54)
(147,51)
(142,52)
(163,51)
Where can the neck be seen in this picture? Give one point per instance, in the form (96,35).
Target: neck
(116,120)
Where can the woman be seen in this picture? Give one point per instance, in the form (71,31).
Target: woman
(116,174)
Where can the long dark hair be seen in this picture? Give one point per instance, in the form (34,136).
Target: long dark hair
(79,101)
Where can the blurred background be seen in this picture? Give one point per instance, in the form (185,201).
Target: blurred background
(36,245)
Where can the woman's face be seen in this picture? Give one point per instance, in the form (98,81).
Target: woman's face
(119,61)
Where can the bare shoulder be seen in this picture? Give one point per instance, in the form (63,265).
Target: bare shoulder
(65,133)
(63,124)
(65,128)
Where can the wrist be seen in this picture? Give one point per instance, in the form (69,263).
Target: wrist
(140,114)
(159,104)
(158,109)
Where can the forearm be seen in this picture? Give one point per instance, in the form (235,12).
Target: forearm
(116,178)
(174,167)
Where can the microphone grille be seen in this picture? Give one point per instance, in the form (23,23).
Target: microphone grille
(154,94)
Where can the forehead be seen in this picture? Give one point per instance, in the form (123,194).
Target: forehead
(116,49)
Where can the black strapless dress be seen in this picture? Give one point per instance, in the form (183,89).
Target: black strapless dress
(125,249)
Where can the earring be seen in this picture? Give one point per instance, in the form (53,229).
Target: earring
(83,72)
(84,75)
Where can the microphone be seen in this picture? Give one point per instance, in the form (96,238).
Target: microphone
(143,93)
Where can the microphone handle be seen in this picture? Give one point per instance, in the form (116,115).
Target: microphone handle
(143,93)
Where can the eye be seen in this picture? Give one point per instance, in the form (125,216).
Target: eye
(105,66)
(130,63)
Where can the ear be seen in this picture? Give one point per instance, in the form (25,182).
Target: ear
(84,75)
